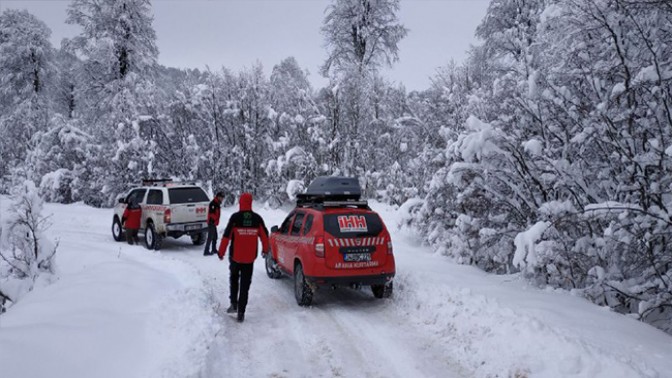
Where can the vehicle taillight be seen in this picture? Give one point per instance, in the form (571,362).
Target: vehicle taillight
(389,247)
(319,246)
(166,216)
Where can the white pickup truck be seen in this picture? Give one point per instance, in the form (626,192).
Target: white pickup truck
(168,209)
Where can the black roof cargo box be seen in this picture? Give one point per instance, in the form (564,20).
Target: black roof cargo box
(334,185)
(332,191)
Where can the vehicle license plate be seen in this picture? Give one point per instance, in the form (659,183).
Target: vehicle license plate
(193,227)
(357,257)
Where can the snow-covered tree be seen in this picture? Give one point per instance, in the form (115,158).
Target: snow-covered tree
(59,161)
(363,33)
(26,69)
(66,81)
(26,253)
(118,46)
(361,36)
(25,53)
(557,150)
(294,114)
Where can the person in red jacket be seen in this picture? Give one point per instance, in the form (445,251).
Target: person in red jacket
(243,230)
(130,220)
(213,221)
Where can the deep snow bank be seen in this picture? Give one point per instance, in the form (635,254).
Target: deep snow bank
(501,326)
(115,311)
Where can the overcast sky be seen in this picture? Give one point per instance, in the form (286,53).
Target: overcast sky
(237,33)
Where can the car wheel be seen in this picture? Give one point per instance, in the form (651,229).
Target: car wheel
(271,267)
(152,239)
(198,239)
(117,231)
(382,291)
(302,292)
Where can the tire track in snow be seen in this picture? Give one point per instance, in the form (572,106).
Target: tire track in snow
(346,333)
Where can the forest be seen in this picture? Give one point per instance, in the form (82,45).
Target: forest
(548,152)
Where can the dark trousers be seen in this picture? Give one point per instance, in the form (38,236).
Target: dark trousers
(212,239)
(132,235)
(240,281)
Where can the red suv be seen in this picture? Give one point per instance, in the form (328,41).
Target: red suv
(332,238)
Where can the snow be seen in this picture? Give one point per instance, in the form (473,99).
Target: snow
(478,142)
(525,243)
(608,206)
(552,11)
(295,153)
(617,89)
(123,311)
(533,147)
(668,151)
(650,74)
(53,180)
(556,208)
(294,187)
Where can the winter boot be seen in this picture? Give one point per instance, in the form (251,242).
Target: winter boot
(241,316)
(233,308)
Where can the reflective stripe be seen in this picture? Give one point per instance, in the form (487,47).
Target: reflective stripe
(356,242)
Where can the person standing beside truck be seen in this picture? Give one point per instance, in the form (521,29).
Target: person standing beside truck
(131,221)
(214,209)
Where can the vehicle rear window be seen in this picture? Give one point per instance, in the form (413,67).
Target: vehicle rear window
(298,221)
(187,195)
(348,225)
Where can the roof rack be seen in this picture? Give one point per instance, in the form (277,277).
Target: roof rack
(332,191)
(321,203)
(165,182)
(155,182)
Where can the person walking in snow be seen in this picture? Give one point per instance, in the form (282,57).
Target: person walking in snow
(213,221)
(130,220)
(243,230)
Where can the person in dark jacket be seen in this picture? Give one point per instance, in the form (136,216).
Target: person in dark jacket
(243,230)
(213,221)
(130,220)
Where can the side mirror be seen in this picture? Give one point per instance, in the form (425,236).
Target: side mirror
(274,229)
(122,200)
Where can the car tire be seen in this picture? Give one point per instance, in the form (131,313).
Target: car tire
(302,291)
(271,267)
(382,291)
(199,239)
(152,239)
(117,231)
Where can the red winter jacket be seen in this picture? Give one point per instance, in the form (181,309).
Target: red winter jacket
(213,211)
(131,217)
(243,229)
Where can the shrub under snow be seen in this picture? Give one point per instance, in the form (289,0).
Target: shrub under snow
(25,252)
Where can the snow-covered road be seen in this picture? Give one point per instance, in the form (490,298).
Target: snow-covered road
(119,310)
